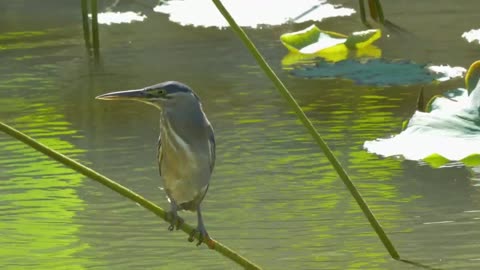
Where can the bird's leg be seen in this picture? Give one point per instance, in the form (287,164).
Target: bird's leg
(175,220)
(203,235)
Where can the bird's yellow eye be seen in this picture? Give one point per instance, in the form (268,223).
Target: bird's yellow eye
(161,92)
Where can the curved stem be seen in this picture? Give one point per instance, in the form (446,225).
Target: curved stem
(82,169)
(311,129)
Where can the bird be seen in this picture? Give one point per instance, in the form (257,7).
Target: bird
(186,147)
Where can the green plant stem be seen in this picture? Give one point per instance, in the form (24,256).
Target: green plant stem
(372,5)
(311,129)
(86,27)
(363,15)
(96,39)
(379,11)
(82,169)
(421,101)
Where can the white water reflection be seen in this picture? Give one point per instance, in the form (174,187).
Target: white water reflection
(251,13)
(447,72)
(371,71)
(109,17)
(417,144)
(472,35)
(451,129)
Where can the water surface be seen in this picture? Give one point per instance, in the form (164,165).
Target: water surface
(273,197)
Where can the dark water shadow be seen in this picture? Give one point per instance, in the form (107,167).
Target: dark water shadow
(375,72)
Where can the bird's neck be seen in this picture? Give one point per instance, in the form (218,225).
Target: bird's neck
(185,121)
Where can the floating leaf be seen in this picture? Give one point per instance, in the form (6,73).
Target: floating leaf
(449,130)
(334,48)
(436,160)
(313,40)
(472,160)
(361,39)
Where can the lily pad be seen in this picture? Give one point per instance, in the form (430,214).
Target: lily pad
(448,131)
(313,40)
(297,59)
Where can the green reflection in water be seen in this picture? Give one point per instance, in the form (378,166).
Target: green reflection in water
(39,200)
(307,216)
(36,39)
(372,176)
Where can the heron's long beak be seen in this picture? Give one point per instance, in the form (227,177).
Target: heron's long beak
(137,94)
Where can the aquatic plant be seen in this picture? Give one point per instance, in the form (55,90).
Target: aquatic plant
(446,130)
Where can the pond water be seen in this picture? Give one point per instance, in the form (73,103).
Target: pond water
(273,197)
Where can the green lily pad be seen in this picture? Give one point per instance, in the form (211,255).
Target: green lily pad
(436,160)
(472,160)
(449,130)
(313,40)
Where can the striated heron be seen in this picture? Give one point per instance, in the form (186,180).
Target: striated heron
(186,147)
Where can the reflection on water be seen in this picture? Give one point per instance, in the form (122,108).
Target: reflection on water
(448,130)
(39,198)
(472,35)
(273,197)
(109,18)
(299,61)
(250,13)
(378,72)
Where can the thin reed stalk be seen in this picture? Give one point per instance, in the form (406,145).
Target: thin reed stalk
(311,129)
(82,169)
(86,26)
(96,39)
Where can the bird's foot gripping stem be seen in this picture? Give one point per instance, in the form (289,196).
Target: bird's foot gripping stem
(203,237)
(175,220)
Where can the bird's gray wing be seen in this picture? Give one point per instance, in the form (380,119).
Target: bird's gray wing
(211,141)
(159,155)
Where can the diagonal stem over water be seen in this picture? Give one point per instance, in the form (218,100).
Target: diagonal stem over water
(308,124)
(217,246)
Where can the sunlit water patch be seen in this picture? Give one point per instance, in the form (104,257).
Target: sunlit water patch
(417,143)
(38,198)
(447,72)
(377,72)
(251,13)
(472,35)
(54,38)
(274,197)
(110,17)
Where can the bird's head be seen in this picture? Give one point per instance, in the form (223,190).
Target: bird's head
(159,95)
